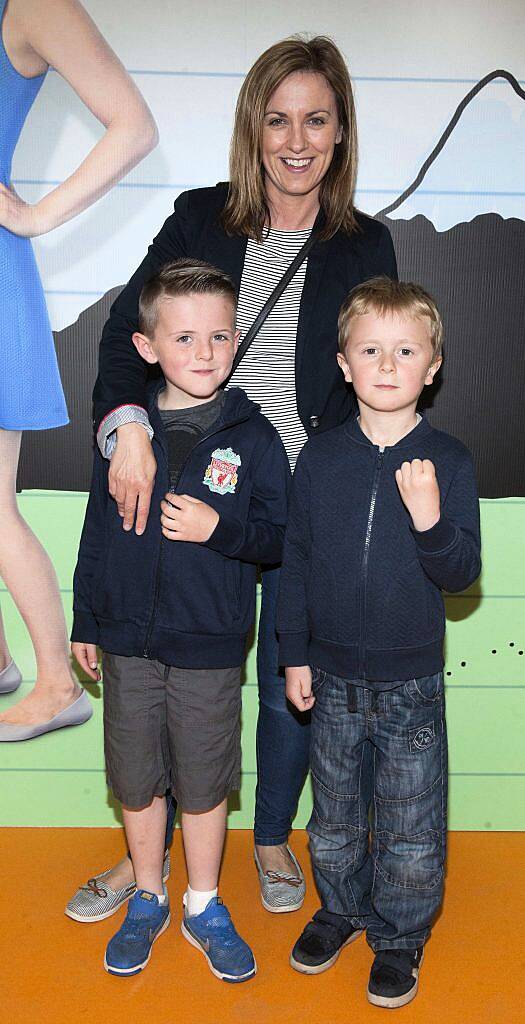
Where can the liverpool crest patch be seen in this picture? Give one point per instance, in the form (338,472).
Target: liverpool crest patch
(222,473)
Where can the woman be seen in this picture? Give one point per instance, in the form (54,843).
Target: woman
(36,34)
(293,169)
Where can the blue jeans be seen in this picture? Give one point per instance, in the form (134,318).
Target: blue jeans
(283,734)
(385,752)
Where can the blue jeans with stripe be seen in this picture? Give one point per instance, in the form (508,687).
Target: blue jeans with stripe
(379,766)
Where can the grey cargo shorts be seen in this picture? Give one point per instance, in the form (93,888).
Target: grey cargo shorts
(168,728)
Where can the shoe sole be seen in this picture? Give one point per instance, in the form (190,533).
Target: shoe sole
(127,972)
(281,910)
(393,1002)
(231,978)
(107,913)
(319,968)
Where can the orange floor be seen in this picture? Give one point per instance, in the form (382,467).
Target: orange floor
(52,967)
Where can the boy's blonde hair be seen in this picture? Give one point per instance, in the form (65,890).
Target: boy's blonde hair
(382,295)
(181,277)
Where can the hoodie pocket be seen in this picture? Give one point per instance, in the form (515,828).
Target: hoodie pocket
(233,584)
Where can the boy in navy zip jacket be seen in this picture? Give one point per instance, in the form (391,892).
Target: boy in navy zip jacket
(383,517)
(171,609)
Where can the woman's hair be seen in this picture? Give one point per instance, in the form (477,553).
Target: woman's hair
(181,277)
(246,211)
(384,296)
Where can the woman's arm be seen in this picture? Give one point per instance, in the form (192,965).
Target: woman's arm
(63,36)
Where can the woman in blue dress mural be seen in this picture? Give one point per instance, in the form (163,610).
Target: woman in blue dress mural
(36,35)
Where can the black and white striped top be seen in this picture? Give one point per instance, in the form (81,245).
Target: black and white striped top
(267,371)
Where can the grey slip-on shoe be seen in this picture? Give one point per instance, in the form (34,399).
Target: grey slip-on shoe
(96,900)
(281,892)
(10,678)
(77,713)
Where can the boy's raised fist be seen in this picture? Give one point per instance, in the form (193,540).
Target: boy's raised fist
(419,490)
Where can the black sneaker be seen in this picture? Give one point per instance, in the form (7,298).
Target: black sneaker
(394,977)
(321,942)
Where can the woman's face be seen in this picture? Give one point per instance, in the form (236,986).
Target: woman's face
(301,129)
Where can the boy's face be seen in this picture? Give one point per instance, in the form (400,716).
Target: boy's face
(194,343)
(389,360)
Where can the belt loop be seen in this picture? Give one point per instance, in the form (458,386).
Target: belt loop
(351,696)
(375,702)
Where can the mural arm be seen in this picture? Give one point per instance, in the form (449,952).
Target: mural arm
(64,37)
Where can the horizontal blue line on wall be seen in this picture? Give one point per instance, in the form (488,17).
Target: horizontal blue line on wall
(71,291)
(355,78)
(394,190)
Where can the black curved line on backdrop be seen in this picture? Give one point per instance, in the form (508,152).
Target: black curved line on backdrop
(449,129)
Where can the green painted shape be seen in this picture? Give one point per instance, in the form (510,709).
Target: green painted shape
(475,628)
(58,780)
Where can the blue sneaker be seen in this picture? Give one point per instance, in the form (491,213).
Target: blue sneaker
(229,957)
(130,948)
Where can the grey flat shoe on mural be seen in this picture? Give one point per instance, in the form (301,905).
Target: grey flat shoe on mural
(96,900)
(281,893)
(10,678)
(77,713)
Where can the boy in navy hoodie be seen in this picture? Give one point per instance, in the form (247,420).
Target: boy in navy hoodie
(384,515)
(171,609)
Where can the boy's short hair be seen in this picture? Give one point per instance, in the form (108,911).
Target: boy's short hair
(383,295)
(181,277)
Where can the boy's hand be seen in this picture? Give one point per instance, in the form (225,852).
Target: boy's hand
(299,687)
(86,655)
(419,490)
(185,518)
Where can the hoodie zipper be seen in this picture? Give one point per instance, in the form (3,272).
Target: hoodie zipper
(206,437)
(364,563)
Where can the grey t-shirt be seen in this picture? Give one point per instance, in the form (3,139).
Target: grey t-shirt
(184,428)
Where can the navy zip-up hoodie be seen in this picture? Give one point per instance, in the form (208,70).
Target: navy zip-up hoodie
(185,604)
(360,593)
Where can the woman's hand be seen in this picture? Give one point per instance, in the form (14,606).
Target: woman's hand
(299,687)
(87,657)
(187,518)
(17,216)
(132,475)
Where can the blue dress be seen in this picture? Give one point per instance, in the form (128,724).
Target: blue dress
(31,395)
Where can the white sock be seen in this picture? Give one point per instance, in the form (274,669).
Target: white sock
(162,897)
(196,902)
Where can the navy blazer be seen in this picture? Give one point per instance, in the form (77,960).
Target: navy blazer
(334,267)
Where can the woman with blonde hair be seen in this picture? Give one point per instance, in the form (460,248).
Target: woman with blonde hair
(36,35)
(289,201)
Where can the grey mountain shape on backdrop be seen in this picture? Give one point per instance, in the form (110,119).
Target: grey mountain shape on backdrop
(475,271)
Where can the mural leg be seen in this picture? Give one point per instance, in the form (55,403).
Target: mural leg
(31,580)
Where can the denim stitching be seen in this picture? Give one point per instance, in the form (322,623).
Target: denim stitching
(330,792)
(409,799)
(405,885)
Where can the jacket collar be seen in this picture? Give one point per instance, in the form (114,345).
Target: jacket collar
(418,433)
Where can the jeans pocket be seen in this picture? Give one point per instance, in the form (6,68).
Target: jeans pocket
(426,691)
(318,678)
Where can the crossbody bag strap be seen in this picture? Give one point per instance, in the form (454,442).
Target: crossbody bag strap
(272,299)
